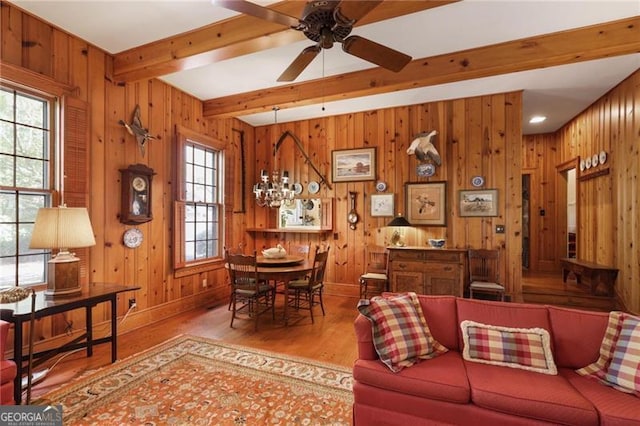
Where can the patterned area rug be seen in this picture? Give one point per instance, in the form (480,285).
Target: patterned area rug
(196,381)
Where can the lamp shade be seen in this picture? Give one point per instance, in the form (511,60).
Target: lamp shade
(399,221)
(62,227)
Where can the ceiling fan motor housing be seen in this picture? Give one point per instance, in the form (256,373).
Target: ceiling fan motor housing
(321,25)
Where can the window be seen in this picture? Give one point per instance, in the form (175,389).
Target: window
(199,204)
(25,183)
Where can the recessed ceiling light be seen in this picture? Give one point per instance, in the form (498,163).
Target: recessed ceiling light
(537,119)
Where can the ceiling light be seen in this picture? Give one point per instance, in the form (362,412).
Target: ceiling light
(537,119)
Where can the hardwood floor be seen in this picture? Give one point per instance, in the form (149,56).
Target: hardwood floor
(330,339)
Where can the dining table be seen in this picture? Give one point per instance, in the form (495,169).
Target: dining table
(282,270)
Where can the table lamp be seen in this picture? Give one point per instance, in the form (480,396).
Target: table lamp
(62,228)
(399,221)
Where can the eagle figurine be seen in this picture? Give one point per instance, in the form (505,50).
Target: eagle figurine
(136,129)
(424,149)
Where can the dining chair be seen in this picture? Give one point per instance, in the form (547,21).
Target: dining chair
(250,297)
(376,271)
(301,293)
(484,273)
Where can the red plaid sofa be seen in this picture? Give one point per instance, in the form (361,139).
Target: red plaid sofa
(448,389)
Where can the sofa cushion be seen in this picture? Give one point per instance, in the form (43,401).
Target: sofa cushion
(524,393)
(442,378)
(576,335)
(440,313)
(525,348)
(624,370)
(401,335)
(599,367)
(504,314)
(615,408)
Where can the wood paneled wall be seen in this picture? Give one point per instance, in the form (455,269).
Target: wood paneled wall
(476,136)
(608,205)
(57,56)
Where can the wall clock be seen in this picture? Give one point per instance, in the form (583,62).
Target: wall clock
(135,206)
(132,238)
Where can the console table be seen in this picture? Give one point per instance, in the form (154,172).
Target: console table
(600,279)
(20,312)
(426,270)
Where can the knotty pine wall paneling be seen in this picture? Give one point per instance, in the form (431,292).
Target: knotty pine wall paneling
(42,50)
(476,136)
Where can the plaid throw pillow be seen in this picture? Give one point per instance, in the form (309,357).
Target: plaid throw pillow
(524,348)
(599,368)
(624,370)
(401,335)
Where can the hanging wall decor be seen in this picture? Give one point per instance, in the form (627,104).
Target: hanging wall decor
(426,153)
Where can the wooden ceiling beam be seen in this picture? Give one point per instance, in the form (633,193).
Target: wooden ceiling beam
(610,39)
(233,37)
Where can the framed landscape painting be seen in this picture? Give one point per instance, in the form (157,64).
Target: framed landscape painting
(481,202)
(426,203)
(350,165)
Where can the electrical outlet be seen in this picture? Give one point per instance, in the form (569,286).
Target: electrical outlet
(499,229)
(204,282)
(132,302)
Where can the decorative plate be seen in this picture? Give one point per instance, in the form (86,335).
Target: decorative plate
(132,237)
(297,188)
(313,187)
(594,160)
(587,163)
(426,170)
(381,186)
(603,157)
(477,181)
(582,165)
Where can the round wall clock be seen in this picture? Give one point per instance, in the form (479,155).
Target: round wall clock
(132,237)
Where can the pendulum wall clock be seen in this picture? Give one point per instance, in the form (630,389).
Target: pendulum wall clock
(135,207)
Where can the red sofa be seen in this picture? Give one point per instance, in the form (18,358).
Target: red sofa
(8,369)
(449,390)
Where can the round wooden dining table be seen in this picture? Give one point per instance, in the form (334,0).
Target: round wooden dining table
(284,270)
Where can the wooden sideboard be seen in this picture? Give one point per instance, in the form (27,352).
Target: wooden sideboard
(427,271)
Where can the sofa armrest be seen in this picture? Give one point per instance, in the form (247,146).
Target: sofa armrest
(364,338)
(4,331)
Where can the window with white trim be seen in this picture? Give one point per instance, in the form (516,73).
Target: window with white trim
(26,146)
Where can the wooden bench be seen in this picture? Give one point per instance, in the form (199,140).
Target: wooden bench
(599,278)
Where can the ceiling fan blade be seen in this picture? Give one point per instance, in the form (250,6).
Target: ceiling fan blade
(300,63)
(376,53)
(258,11)
(350,12)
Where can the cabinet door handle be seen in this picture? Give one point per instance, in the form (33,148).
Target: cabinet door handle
(402,265)
(448,268)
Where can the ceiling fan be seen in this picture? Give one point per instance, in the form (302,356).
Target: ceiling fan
(326,22)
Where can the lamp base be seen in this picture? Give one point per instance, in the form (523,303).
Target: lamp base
(64,278)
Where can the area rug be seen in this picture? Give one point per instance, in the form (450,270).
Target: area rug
(196,381)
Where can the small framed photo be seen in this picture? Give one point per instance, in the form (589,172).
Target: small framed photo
(481,202)
(426,203)
(382,205)
(350,165)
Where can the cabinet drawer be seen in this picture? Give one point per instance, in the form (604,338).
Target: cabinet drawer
(407,255)
(403,265)
(442,256)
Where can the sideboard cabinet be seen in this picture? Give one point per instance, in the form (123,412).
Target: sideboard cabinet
(427,271)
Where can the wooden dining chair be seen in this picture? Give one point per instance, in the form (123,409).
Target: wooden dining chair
(375,271)
(301,294)
(484,273)
(250,297)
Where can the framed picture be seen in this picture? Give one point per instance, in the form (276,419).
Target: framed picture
(426,203)
(349,165)
(382,205)
(480,202)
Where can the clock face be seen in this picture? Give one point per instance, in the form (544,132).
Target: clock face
(132,237)
(139,183)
